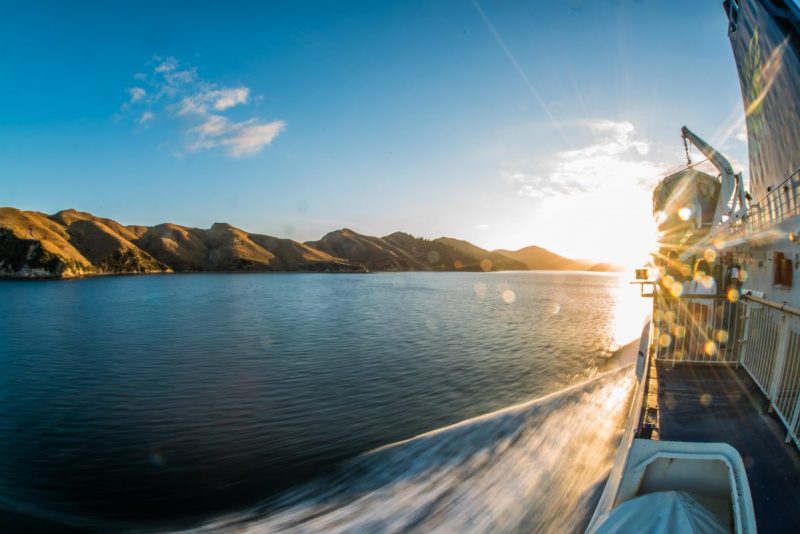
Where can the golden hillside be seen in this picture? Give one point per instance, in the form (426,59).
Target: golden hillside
(73,243)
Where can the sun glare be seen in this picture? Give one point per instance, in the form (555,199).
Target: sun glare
(612,225)
(630,309)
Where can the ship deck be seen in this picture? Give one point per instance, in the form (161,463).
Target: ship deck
(722,404)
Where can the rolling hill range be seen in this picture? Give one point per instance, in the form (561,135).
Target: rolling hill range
(403,252)
(538,258)
(71,243)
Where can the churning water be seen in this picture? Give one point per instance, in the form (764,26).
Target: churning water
(536,467)
(281,402)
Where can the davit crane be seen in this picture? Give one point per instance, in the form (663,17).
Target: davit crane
(732,204)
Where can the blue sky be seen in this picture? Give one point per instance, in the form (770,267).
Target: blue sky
(505,123)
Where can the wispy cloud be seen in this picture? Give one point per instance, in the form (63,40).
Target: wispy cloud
(538,186)
(594,200)
(227,98)
(146,117)
(137,93)
(239,138)
(615,157)
(216,99)
(177,92)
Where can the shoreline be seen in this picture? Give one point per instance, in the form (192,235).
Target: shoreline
(25,278)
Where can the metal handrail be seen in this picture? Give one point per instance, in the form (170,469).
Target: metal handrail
(774,207)
(777,186)
(702,296)
(784,307)
(771,356)
(760,335)
(696,328)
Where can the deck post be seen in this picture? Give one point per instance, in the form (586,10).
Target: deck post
(793,422)
(745,333)
(780,360)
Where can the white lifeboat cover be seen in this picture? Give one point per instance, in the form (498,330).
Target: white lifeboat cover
(663,512)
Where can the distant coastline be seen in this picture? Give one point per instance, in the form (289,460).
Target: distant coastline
(72,244)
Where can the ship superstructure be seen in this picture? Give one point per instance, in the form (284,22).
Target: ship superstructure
(714,430)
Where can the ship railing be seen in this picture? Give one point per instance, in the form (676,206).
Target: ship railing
(771,356)
(759,335)
(781,202)
(696,329)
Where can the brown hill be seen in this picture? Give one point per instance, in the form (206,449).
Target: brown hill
(33,245)
(540,259)
(403,252)
(226,248)
(376,253)
(482,259)
(182,248)
(295,256)
(106,243)
(446,254)
(606,268)
(432,255)
(72,243)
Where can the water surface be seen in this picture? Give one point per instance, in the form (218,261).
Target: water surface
(174,397)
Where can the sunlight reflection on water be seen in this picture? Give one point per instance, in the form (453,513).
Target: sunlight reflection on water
(628,314)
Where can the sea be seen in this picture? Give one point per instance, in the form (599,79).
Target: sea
(282,402)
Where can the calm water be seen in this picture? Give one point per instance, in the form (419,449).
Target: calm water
(140,400)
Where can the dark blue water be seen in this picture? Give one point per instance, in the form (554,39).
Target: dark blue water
(158,400)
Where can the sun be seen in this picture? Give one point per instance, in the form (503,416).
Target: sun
(613,225)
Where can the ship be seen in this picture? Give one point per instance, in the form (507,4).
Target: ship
(712,437)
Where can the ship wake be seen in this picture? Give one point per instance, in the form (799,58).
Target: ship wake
(537,466)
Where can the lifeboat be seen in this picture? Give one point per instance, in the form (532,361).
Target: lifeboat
(684,204)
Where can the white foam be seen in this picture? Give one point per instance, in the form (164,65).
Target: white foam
(536,466)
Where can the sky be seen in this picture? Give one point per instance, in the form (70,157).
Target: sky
(506,123)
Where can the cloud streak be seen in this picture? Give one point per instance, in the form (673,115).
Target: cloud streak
(594,200)
(201,108)
(615,158)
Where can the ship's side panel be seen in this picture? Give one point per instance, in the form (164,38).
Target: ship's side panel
(765,42)
(765,39)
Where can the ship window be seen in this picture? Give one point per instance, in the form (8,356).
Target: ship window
(783,268)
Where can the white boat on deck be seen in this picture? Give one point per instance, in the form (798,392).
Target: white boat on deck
(671,486)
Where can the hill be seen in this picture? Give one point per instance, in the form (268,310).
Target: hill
(538,258)
(71,243)
(482,259)
(31,244)
(375,253)
(403,252)
(606,268)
